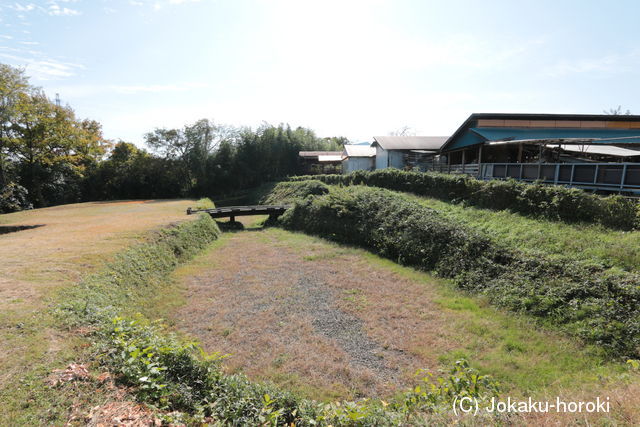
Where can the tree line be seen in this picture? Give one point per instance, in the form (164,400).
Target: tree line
(48,156)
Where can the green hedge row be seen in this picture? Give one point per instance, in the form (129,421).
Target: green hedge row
(599,305)
(548,201)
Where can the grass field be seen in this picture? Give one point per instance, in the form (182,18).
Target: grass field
(325,320)
(54,248)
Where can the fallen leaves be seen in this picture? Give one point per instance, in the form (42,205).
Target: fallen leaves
(73,372)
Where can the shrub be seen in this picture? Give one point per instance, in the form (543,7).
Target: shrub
(204,203)
(599,305)
(13,198)
(547,201)
(288,192)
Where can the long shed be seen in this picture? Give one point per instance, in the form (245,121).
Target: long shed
(398,151)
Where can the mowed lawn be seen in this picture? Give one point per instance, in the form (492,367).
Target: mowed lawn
(43,250)
(330,321)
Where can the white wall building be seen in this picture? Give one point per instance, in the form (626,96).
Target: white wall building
(358,157)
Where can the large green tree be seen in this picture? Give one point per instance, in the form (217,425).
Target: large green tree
(13,85)
(52,148)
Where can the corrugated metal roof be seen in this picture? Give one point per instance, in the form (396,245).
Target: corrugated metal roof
(319,153)
(330,158)
(519,116)
(351,150)
(431,143)
(609,150)
(595,136)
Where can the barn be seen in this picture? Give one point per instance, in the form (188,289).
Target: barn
(598,152)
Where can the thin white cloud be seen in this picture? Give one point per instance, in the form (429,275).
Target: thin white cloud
(18,7)
(39,66)
(157,88)
(50,7)
(607,64)
(57,10)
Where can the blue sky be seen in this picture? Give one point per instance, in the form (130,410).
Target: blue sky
(352,68)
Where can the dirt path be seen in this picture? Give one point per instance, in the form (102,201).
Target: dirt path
(310,315)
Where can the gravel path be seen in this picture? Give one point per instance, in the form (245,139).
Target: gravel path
(346,329)
(310,316)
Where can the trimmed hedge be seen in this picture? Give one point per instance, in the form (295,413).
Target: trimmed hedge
(600,305)
(547,201)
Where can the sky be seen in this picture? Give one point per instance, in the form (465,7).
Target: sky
(354,68)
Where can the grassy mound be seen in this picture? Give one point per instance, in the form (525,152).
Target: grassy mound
(599,305)
(545,201)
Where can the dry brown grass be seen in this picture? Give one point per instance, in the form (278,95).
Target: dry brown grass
(254,301)
(69,242)
(72,240)
(255,296)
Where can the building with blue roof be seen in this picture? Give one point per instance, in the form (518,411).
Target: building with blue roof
(599,152)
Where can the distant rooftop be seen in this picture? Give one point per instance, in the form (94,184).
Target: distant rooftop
(317,154)
(359,150)
(428,143)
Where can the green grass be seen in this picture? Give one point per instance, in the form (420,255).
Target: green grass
(579,241)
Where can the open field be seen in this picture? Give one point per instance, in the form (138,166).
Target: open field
(324,320)
(53,249)
(330,321)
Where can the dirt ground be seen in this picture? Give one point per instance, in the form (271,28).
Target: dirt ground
(312,317)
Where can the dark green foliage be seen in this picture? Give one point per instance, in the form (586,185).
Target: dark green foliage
(600,305)
(540,200)
(13,198)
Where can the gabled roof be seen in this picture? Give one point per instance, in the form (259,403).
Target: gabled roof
(353,150)
(428,143)
(560,121)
